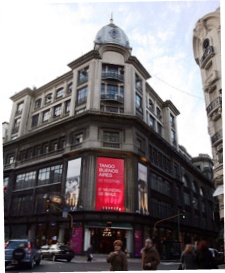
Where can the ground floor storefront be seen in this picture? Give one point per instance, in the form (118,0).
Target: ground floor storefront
(99,232)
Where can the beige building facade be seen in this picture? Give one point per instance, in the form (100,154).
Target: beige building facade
(207,54)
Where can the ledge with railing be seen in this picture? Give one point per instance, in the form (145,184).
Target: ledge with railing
(112,97)
(208,53)
(214,104)
(112,75)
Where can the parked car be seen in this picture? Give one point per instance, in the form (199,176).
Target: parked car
(21,251)
(57,252)
(219,256)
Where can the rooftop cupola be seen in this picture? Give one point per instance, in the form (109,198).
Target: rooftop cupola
(112,34)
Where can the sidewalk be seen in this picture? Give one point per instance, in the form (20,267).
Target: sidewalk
(98,258)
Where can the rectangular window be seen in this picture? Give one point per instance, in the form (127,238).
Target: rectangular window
(187,199)
(34,122)
(50,175)
(151,121)
(67,106)
(37,104)
(5,182)
(83,75)
(172,121)
(138,82)
(59,92)
(173,137)
(16,125)
(138,102)
(25,180)
(159,128)
(70,88)
(158,113)
(57,110)
(19,108)
(48,98)
(77,138)
(54,145)
(82,95)
(112,90)
(151,105)
(46,115)
(140,142)
(111,139)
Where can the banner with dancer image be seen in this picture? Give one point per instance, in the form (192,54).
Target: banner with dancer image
(72,189)
(142,189)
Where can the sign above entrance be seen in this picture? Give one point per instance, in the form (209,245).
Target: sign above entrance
(110,184)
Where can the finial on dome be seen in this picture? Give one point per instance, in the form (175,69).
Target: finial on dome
(111,20)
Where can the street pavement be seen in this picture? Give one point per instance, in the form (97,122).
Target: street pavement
(98,264)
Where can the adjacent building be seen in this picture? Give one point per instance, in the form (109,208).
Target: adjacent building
(207,54)
(102,147)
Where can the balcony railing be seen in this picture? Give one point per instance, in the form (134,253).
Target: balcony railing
(112,75)
(208,53)
(217,136)
(214,104)
(116,97)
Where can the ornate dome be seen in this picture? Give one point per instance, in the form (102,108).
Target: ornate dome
(112,34)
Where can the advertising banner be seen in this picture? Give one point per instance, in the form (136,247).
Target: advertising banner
(138,242)
(77,240)
(142,189)
(72,189)
(110,184)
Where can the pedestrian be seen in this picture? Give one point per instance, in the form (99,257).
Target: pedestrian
(150,256)
(188,258)
(204,257)
(117,258)
(90,253)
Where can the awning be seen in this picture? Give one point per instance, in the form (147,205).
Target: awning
(218,191)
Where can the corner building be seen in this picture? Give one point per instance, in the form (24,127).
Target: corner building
(101,145)
(207,54)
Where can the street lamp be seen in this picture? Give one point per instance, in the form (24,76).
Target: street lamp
(165,219)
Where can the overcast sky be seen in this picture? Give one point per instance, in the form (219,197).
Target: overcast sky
(39,40)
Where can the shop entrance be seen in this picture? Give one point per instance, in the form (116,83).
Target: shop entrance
(102,239)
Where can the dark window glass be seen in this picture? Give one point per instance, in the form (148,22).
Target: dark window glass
(60,92)
(25,180)
(35,120)
(50,175)
(82,95)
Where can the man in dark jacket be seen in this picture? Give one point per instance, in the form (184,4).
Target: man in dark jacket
(117,258)
(150,256)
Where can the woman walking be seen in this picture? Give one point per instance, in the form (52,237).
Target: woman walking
(188,258)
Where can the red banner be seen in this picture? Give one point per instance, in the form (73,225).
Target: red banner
(110,184)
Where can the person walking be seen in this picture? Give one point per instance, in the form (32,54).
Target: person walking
(188,258)
(150,256)
(117,258)
(90,253)
(204,257)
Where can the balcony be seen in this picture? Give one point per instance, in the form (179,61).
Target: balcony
(214,105)
(217,137)
(207,55)
(113,97)
(113,75)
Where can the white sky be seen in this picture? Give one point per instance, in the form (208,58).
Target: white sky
(39,40)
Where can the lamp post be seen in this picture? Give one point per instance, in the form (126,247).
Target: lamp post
(165,219)
(55,199)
